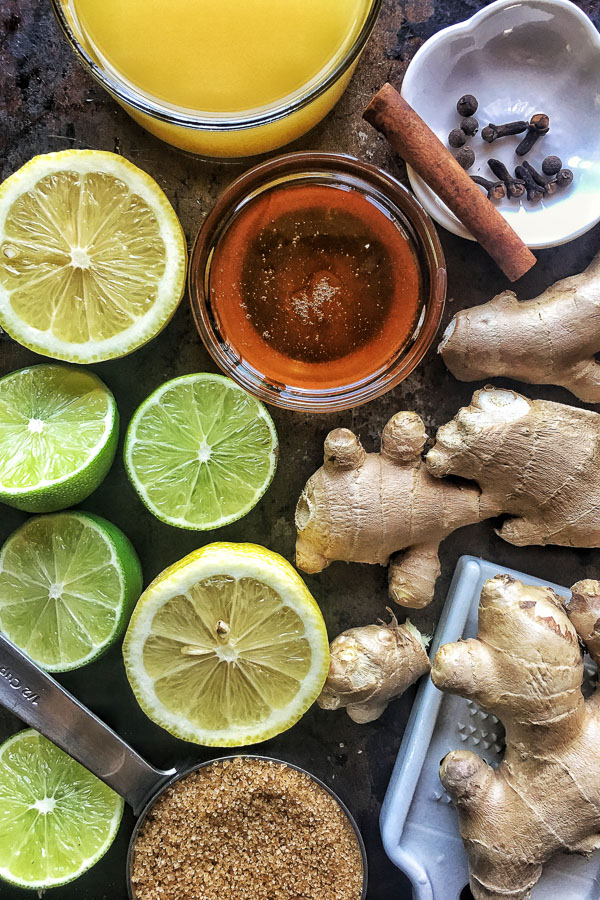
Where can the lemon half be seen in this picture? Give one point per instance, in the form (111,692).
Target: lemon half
(227,647)
(92,256)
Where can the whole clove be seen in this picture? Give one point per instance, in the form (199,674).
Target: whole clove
(465,157)
(550,183)
(546,182)
(534,191)
(470,126)
(496,190)
(467,105)
(539,124)
(551,165)
(492,132)
(456,138)
(515,187)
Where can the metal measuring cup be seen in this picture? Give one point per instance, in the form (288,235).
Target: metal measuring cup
(40,701)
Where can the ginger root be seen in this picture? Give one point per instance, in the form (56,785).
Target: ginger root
(551,339)
(538,462)
(364,507)
(526,667)
(371,666)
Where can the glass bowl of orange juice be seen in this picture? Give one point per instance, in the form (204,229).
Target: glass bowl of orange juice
(221,78)
(317,282)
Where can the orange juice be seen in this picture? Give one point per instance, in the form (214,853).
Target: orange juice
(230,63)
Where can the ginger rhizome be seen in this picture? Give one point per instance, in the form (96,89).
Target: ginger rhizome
(372,665)
(551,339)
(536,461)
(365,507)
(526,668)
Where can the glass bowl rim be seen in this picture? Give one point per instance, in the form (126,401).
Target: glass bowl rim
(243,189)
(154,108)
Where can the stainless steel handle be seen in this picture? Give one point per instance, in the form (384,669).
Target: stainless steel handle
(37,699)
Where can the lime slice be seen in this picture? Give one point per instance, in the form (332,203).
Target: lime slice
(201,452)
(227,646)
(59,427)
(92,256)
(68,583)
(56,818)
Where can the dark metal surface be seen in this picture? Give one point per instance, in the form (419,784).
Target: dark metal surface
(47,102)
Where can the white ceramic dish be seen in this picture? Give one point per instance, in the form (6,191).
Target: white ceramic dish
(518,57)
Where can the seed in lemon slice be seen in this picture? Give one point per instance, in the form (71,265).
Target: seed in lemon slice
(227,646)
(56,818)
(201,452)
(68,583)
(59,427)
(92,256)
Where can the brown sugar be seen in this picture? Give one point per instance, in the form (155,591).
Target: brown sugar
(247,829)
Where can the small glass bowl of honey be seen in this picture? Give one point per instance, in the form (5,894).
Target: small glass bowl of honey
(317,282)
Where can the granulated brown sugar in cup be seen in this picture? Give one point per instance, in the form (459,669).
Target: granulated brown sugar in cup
(247,829)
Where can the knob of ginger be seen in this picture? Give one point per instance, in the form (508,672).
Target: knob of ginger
(526,667)
(372,665)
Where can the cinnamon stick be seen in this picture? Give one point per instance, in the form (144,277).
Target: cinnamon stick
(415,142)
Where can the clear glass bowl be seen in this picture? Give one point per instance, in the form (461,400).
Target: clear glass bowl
(224,137)
(384,191)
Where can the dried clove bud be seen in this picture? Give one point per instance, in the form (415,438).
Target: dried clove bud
(456,138)
(496,190)
(515,188)
(534,191)
(564,178)
(470,126)
(465,157)
(467,105)
(546,182)
(492,132)
(552,165)
(539,124)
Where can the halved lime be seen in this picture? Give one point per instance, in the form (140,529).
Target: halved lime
(68,583)
(201,452)
(58,436)
(92,256)
(56,818)
(227,646)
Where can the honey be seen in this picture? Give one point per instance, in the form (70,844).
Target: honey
(315,285)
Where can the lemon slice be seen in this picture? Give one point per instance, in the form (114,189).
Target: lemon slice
(56,818)
(227,646)
(92,256)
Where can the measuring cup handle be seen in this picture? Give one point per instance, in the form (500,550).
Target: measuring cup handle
(37,699)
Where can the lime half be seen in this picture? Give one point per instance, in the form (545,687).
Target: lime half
(227,646)
(68,583)
(58,436)
(56,818)
(201,452)
(92,256)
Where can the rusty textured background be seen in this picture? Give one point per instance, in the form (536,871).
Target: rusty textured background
(48,102)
